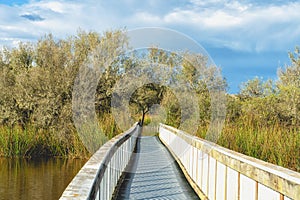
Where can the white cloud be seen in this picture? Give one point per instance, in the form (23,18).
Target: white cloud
(53,6)
(233,24)
(146,18)
(238,6)
(222,19)
(215,20)
(241,26)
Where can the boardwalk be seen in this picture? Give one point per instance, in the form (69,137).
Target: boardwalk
(156,175)
(133,167)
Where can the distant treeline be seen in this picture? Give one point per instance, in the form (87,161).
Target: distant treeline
(36,88)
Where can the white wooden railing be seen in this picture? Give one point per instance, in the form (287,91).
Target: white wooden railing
(219,173)
(99,176)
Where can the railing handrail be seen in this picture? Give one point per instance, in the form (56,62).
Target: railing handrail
(85,184)
(283,180)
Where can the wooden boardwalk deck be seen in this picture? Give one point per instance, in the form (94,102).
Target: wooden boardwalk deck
(154,175)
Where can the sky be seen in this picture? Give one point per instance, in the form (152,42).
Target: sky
(246,38)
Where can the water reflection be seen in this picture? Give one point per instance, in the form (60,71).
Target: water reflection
(36,178)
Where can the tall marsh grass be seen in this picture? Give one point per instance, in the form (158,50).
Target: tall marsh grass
(18,141)
(272,143)
(30,142)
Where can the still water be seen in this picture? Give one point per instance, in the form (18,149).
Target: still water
(36,179)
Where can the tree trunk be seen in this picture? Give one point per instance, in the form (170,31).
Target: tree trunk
(143,118)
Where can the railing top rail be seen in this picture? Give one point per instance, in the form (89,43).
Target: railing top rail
(91,173)
(277,178)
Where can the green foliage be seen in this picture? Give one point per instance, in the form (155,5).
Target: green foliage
(289,90)
(257,88)
(172,108)
(263,119)
(145,97)
(36,87)
(147,120)
(270,102)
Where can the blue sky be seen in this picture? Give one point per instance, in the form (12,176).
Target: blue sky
(246,38)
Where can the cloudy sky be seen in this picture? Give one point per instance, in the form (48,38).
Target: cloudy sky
(246,38)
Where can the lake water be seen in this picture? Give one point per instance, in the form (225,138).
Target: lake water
(36,179)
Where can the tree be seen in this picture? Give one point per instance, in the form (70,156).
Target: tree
(172,109)
(145,97)
(289,89)
(256,88)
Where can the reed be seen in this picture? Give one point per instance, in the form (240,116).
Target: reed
(30,142)
(272,143)
(15,141)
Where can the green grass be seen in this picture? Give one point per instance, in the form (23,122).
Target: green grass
(18,141)
(272,143)
(30,142)
(15,141)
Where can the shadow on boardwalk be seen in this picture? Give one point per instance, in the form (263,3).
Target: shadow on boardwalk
(155,174)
